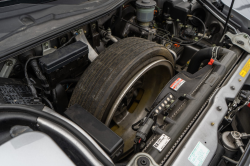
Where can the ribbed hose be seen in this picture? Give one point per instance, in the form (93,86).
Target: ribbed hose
(40,76)
(199,57)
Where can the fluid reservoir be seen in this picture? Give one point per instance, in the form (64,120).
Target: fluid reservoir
(145,11)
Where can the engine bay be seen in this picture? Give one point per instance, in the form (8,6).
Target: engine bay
(153,82)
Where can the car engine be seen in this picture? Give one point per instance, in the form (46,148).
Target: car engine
(148,83)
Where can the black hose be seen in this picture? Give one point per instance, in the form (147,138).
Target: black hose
(199,57)
(228,16)
(48,102)
(32,88)
(230,160)
(40,76)
(82,138)
(16,117)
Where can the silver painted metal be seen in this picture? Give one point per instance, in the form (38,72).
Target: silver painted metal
(33,148)
(85,152)
(92,54)
(205,133)
(133,161)
(219,18)
(52,112)
(241,40)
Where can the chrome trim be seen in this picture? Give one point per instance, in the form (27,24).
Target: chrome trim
(71,138)
(173,53)
(52,112)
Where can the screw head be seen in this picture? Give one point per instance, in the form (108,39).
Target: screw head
(219,108)
(156,111)
(212,123)
(239,80)
(232,87)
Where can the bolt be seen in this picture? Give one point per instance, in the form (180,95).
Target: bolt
(164,117)
(156,111)
(232,87)
(85,31)
(245,36)
(9,63)
(239,80)
(219,108)
(212,123)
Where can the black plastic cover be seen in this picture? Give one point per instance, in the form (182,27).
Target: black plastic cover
(178,9)
(62,57)
(110,142)
(14,91)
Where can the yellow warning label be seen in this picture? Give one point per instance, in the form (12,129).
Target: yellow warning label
(245,69)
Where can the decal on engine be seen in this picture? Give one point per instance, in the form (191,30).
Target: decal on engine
(245,69)
(161,142)
(199,154)
(177,84)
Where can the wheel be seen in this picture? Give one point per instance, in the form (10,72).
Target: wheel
(123,81)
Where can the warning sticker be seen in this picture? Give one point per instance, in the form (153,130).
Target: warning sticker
(245,69)
(177,84)
(199,154)
(161,142)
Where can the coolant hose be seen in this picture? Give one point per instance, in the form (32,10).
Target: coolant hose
(40,76)
(199,57)
(74,131)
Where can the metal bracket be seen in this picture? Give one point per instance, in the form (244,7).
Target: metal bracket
(7,68)
(151,34)
(94,34)
(47,49)
(92,54)
(241,40)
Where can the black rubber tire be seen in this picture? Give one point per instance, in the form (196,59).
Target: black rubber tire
(104,79)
